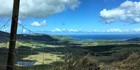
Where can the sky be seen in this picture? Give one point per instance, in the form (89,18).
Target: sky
(74,16)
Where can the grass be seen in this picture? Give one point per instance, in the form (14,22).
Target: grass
(44,58)
(50,56)
(24,52)
(130,63)
(39,54)
(109,42)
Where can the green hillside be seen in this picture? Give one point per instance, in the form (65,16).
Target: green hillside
(134,39)
(4,37)
(64,53)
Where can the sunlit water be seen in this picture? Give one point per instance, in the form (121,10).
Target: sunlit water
(26,63)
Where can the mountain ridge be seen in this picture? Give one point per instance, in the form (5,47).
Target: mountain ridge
(4,37)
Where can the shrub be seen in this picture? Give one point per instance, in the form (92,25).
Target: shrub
(85,63)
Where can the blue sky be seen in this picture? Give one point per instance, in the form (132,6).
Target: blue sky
(78,16)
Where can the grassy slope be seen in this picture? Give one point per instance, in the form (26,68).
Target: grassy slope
(47,53)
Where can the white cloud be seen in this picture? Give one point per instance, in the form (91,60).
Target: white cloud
(37,24)
(5,29)
(128,11)
(72,30)
(114,30)
(65,30)
(24,31)
(37,8)
(43,23)
(19,21)
(56,30)
(94,30)
(136,29)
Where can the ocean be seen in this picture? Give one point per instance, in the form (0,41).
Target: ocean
(106,36)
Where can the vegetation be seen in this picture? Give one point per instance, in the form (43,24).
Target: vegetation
(65,54)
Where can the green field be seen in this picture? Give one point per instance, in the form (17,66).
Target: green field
(50,55)
(64,53)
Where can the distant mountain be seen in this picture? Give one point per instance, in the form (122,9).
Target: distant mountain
(4,37)
(134,39)
(33,37)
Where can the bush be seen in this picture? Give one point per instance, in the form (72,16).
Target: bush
(85,63)
(131,63)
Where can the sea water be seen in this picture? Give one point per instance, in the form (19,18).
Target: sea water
(106,36)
